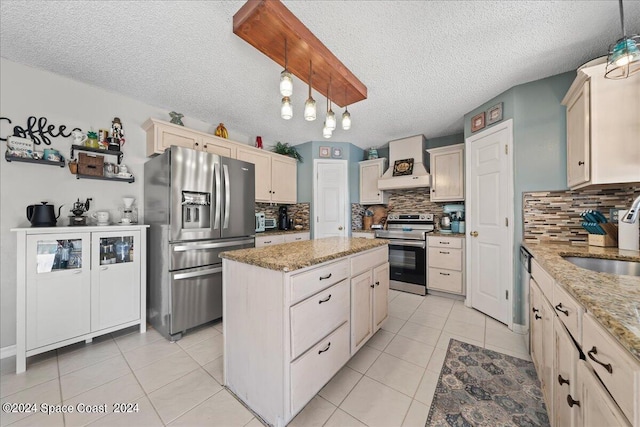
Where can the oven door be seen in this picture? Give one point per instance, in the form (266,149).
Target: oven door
(407,260)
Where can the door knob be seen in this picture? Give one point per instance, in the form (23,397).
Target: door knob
(340,228)
(474,234)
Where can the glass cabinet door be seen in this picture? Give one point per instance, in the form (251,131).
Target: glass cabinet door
(116,249)
(58,254)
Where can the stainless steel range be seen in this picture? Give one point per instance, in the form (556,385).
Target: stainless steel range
(408,250)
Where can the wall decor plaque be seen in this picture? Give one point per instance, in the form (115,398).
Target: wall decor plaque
(477,122)
(494,114)
(325,152)
(403,167)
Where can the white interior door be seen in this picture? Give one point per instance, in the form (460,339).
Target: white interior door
(330,198)
(489,185)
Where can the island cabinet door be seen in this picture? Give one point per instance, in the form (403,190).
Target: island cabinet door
(361,309)
(380,295)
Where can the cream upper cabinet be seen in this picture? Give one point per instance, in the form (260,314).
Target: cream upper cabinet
(370,172)
(276,175)
(220,146)
(447,173)
(603,124)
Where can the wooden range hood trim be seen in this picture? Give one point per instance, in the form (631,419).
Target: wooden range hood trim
(265,24)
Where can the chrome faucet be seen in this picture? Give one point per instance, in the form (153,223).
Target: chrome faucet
(632,214)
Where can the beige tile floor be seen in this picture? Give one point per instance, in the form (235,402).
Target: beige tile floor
(389,382)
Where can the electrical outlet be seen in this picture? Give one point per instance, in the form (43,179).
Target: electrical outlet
(613,216)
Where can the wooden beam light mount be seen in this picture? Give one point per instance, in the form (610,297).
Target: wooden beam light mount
(266,24)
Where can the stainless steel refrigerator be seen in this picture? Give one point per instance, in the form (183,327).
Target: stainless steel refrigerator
(197,205)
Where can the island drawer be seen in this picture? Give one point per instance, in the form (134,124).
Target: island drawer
(305,284)
(544,280)
(312,371)
(368,260)
(613,364)
(569,311)
(445,242)
(313,318)
(450,259)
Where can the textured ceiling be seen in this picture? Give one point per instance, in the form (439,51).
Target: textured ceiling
(425,63)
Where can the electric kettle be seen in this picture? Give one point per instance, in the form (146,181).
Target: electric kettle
(43,215)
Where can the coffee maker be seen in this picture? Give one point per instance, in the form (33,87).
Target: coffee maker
(283,218)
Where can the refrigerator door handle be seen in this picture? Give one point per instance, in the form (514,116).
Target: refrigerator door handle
(227,196)
(208,272)
(199,246)
(216,169)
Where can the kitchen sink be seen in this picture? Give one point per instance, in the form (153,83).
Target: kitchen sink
(628,268)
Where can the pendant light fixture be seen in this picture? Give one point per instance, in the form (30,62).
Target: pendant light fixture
(330,121)
(346,116)
(286,81)
(624,54)
(310,105)
(286,110)
(326,132)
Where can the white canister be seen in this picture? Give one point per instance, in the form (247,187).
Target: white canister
(461,227)
(628,234)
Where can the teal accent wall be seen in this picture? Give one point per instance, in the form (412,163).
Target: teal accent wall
(441,141)
(305,172)
(539,149)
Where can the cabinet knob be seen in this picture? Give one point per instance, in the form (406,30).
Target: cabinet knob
(562,380)
(377,283)
(572,402)
(580,163)
(205,146)
(373,285)
(538,317)
(196,144)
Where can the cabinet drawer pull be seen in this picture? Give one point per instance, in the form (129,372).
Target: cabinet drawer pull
(298,238)
(535,310)
(562,380)
(606,366)
(326,348)
(444,243)
(572,402)
(267,242)
(103,268)
(378,283)
(445,253)
(580,163)
(325,300)
(325,277)
(445,274)
(78,271)
(538,317)
(373,285)
(559,308)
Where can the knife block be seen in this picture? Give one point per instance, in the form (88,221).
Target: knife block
(602,240)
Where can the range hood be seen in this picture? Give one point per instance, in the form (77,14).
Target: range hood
(402,149)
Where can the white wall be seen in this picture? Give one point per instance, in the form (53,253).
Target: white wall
(26,91)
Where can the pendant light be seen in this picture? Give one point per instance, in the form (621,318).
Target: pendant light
(624,55)
(286,81)
(310,105)
(346,116)
(326,132)
(330,121)
(286,110)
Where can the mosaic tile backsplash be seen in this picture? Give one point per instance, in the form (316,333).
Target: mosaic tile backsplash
(554,216)
(299,210)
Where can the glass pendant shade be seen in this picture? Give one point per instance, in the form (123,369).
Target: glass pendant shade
(310,109)
(326,132)
(286,110)
(624,58)
(346,120)
(286,83)
(330,121)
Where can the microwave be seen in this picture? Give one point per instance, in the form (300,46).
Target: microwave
(260,219)
(270,223)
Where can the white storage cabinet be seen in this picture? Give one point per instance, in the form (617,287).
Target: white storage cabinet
(447,173)
(370,172)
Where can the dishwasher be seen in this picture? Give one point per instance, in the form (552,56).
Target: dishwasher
(525,276)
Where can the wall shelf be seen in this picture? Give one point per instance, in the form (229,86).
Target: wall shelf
(120,154)
(106,178)
(11,158)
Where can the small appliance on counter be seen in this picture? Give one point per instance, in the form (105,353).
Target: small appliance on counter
(78,211)
(283,218)
(260,219)
(270,224)
(128,212)
(455,214)
(43,215)
(445,223)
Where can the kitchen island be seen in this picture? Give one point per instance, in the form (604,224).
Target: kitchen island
(294,314)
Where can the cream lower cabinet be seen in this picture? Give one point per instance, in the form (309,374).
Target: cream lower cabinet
(276,175)
(446,261)
(296,237)
(295,328)
(369,294)
(161,135)
(73,286)
(565,385)
(597,408)
(276,239)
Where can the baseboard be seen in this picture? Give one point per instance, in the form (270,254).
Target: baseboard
(7,351)
(520,329)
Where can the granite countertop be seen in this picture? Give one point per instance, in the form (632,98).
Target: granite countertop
(614,300)
(296,255)
(276,232)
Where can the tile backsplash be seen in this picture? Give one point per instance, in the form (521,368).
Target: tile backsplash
(299,210)
(554,216)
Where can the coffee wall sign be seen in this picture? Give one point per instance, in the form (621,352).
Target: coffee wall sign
(39,130)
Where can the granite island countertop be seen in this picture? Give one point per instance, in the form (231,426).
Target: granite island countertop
(614,300)
(296,255)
